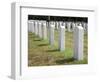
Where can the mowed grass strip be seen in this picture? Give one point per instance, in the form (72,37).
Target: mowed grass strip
(41,53)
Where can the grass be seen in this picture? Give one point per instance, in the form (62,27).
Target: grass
(41,53)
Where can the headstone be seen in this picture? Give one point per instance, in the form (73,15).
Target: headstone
(48,29)
(47,24)
(57,25)
(65,26)
(40,30)
(30,25)
(36,27)
(44,30)
(78,42)
(73,26)
(69,26)
(60,23)
(62,38)
(63,23)
(51,34)
(53,23)
(86,27)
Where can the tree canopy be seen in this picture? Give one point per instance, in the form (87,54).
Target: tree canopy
(57,18)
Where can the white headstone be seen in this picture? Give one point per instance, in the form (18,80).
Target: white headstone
(65,26)
(73,26)
(78,42)
(30,25)
(51,34)
(36,28)
(60,23)
(69,26)
(57,25)
(85,26)
(62,38)
(47,24)
(44,30)
(40,30)
(53,23)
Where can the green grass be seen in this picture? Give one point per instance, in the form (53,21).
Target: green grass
(41,53)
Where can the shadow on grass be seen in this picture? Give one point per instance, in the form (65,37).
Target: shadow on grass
(43,44)
(55,50)
(37,39)
(62,61)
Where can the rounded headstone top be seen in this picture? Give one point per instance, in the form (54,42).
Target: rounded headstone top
(44,24)
(39,22)
(52,25)
(80,24)
(79,27)
(62,26)
(52,22)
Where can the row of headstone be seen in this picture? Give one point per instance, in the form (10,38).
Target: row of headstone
(78,39)
(70,26)
(40,29)
(30,25)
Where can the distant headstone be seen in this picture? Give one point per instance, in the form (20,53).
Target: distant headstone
(44,30)
(69,26)
(51,33)
(78,42)
(48,25)
(57,25)
(85,26)
(30,25)
(53,23)
(60,23)
(36,27)
(40,30)
(73,26)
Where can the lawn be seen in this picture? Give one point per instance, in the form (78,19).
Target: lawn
(41,53)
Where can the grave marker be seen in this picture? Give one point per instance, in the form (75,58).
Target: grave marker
(78,42)
(40,30)
(62,38)
(69,26)
(44,30)
(36,28)
(51,34)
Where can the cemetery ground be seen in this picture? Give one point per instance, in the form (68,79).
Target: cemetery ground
(41,53)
